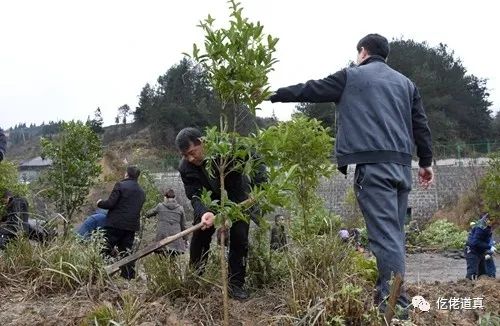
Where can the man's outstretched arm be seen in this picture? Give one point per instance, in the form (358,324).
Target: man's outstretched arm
(328,89)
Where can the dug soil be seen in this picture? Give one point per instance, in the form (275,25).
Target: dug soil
(432,276)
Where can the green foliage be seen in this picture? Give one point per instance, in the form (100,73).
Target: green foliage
(237,59)
(126,311)
(265,266)
(9,180)
(75,154)
(164,276)
(225,153)
(153,196)
(489,319)
(304,147)
(324,112)
(61,265)
(366,267)
(324,293)
(443,235)
(96,123)
(490,186)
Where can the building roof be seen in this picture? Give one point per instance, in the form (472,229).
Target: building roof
(35,162)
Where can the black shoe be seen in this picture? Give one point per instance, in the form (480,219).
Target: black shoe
(238,293)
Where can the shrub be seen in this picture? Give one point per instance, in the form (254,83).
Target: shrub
(490,186)
(164,275)
(443,235)
(327,284)
(56,266)
(265,266)
(125,311)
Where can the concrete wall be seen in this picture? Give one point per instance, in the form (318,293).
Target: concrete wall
(453,178)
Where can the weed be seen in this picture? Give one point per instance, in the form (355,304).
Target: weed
(59,265)
(442,235)
(125,311)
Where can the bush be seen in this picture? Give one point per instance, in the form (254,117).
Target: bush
(125,312)
(442,235)
(328,284)
(164,275)
(265,266)
(490,186)
(60,265)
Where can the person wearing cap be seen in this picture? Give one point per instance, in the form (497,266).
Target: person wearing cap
(381,119)
(171,220)
(477,246)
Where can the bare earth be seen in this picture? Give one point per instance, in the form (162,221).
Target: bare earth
(428,268)
(430,275)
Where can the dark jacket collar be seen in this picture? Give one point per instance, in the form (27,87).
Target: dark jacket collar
(372,58)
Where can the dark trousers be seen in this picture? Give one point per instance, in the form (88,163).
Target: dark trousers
(382,191)
(238,250)
(473,260)
(124,240)
(489,267)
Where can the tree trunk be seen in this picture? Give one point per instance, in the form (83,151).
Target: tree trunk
(223,264)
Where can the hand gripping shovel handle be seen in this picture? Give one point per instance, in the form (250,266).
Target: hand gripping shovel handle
(115,267)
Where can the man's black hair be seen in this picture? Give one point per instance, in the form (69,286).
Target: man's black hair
(170,193)
(133,172)
(187,136)
(374,44)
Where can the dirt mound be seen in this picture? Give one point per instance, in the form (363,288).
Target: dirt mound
(487,289)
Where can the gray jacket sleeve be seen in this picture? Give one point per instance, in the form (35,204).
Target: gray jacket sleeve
(421,131)
(152,212)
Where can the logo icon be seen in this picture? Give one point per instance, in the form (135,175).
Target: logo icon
(420,303)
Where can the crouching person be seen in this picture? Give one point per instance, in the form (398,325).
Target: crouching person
(92,223)
(16,216)
(478,243)
(171,220)
(124,208)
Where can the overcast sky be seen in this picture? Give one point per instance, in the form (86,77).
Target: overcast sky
(60,60)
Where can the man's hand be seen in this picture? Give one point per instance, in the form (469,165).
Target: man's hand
(425,177)
(208,220)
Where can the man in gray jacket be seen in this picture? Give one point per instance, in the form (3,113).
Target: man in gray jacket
(171,220)
(381,117)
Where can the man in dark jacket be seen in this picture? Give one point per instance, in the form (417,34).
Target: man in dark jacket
(195,178)
(124,210)
(3,144)
(380,118)
(15,218)
(478,244)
